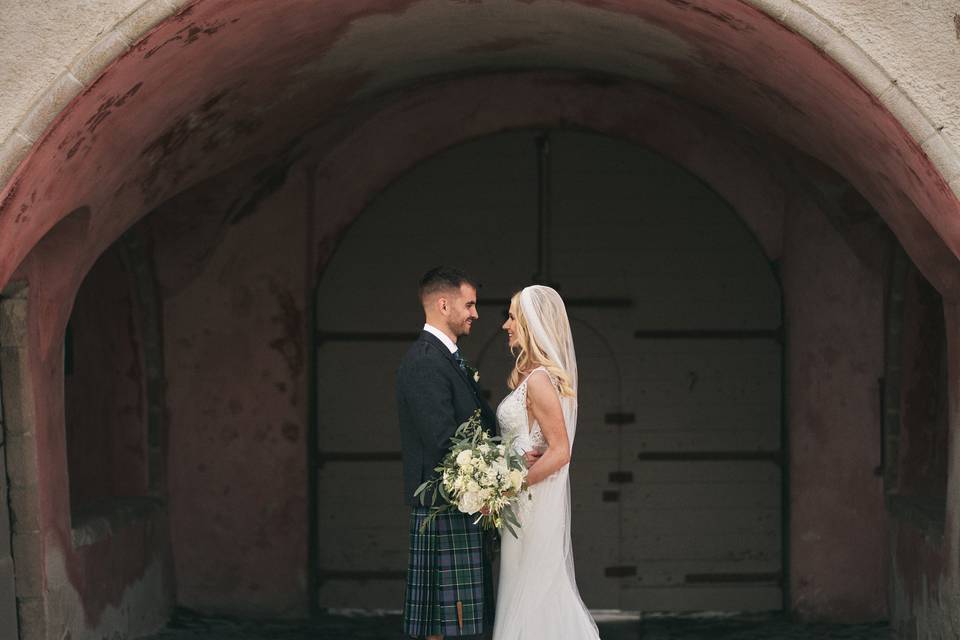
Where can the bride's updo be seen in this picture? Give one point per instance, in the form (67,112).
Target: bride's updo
(543,338)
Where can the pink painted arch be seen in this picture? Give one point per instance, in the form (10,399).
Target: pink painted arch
(224,81)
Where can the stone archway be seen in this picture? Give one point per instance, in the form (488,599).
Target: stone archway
(153,123)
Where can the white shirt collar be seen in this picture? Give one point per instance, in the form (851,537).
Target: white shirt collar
(449,344)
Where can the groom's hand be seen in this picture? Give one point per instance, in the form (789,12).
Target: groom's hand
(530,457)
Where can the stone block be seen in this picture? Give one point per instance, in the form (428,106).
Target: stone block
(13,323)
(955,185)
(12,152)
(21,459)
(8,601)
(858,64)
(4,511)
(48,105)
(32,620)
(943,155)
(808,24)
(907,113)
(25,508)
(146,16)
(27,557)
(91,63)
(773,8)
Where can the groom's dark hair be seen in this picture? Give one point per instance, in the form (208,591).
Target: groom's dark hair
(443,279)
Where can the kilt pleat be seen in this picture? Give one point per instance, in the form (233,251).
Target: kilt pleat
(448,563)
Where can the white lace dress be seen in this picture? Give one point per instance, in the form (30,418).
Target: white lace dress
(537,597)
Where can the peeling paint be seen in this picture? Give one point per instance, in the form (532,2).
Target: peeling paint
(186,36)
(142,608)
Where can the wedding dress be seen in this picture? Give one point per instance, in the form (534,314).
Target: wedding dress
(537,597)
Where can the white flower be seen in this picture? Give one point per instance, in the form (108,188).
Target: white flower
(501,449)
(476,376)
(470,502)
(482,464)
(473,486)
(516,479)
(484,449)
(464,457)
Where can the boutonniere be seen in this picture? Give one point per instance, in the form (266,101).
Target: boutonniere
(473,373)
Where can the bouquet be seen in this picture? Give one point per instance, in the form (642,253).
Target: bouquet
(479,475)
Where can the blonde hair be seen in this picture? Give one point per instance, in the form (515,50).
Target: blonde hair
(530,355)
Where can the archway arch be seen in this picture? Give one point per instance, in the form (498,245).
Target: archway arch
(222,83)
(739,59)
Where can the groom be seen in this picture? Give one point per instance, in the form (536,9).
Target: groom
(449,579)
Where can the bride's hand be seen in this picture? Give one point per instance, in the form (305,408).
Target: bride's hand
(531,456)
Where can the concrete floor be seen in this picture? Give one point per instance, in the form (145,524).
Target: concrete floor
(365,626)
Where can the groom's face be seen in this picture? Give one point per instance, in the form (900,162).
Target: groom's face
(461,310)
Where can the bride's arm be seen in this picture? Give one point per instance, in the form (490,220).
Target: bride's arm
(545,407)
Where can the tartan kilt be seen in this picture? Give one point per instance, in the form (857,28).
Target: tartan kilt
(449,562)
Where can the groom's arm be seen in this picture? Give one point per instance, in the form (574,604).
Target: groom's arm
(429,397)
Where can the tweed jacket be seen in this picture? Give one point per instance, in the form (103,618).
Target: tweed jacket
(434,396)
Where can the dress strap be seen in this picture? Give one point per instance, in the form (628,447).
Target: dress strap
(541,367)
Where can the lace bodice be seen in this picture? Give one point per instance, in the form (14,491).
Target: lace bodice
(514,420)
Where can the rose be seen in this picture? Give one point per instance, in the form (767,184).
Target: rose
(464,457)
(470,502)
(516,479)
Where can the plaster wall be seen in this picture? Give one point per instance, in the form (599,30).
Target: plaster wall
(923,447)
(235,332)
(105,391)
(924,587)
(834,322)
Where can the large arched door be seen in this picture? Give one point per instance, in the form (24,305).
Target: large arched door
(677,476)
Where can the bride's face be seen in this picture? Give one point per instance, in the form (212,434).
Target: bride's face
(510,327)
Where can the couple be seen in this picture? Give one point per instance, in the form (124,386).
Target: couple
(449,589)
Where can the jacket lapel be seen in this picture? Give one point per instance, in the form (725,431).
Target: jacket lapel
(435,342)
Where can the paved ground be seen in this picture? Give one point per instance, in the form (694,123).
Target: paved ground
(189,626)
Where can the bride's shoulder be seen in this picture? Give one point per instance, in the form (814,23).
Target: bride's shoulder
(541,383)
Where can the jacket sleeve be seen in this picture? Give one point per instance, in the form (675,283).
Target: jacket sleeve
(429,398)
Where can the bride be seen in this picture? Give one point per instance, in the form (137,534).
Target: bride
(537,597)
